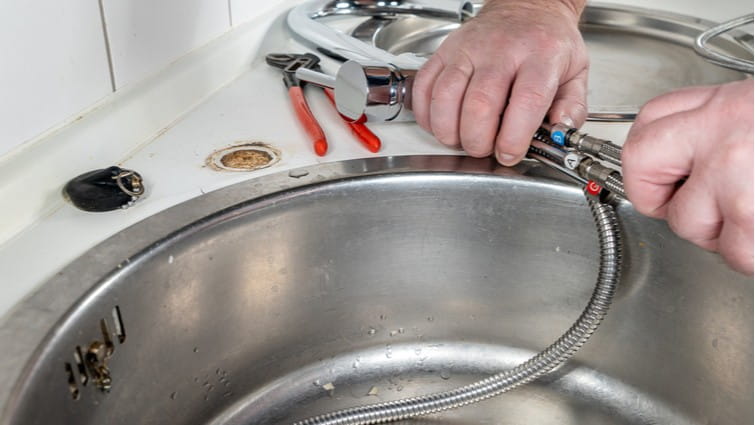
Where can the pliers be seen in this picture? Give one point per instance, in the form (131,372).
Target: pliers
(289,63)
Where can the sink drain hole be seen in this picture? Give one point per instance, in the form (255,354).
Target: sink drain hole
(79,357)
(244,157)
(120,330)
(72,388)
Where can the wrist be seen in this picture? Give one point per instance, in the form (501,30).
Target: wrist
(572,9)
(576,6)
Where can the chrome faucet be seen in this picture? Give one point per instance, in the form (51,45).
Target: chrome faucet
(372,91)
(372,84)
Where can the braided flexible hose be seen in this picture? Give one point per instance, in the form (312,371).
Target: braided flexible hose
(610,151)
(615,184)
(542,363)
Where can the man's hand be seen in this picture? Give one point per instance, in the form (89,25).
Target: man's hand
(523,59)
(704,134)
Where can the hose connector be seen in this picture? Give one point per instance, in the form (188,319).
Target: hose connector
(570,137)
(607,177)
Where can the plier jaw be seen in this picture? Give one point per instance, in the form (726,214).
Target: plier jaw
(288,63)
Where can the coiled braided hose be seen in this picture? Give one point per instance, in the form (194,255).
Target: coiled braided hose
(544,362)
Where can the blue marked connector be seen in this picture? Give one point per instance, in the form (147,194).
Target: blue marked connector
(558,137)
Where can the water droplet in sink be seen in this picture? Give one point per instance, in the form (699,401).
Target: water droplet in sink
(170,260)
(371,331)
(445,374)
(388,351)
(196,349)
(430,318)
(330,388)
(418,351)
(173,395)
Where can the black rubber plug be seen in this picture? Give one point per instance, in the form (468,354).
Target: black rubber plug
(103,190)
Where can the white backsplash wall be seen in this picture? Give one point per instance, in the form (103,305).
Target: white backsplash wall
(147,35)
(244,10)
(54,61)
(53,64)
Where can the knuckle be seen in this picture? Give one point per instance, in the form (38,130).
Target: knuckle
(738,256)
(445,133)
(650,110)
(513,147)
(447,91)
(738,152)
(742,213)
(421,85)
(461,68)
(476,144)
(648,209)
(444,92)
(477,149)
(632,156)
(479,102)
(542,37)
(531,99)
(677,225)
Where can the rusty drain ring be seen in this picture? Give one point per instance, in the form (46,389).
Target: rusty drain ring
(218,160)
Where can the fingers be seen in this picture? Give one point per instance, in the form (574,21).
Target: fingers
(481,111)
(570,104)
(655,158)
(736,202)
(735,246)
(533,90)
(685,99)
(423,89)
(702,227)
(447,95)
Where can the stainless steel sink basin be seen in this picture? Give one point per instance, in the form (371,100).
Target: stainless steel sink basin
(353,282)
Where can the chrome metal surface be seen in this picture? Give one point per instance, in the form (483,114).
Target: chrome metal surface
(304,19)
(728,61)
(376,91)
(368,280)
(539,365)
(635,54)
(317,78)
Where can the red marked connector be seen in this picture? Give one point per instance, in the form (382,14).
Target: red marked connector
(593,188)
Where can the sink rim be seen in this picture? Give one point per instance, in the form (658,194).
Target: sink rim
(26,327)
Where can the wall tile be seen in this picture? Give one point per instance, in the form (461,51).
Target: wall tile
(53,64)
(147,35)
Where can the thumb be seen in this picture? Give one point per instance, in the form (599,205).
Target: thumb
(570,103)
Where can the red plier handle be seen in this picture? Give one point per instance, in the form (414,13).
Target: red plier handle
(307,120)
(358,129)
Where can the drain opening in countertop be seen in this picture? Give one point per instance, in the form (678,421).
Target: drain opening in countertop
(244,157)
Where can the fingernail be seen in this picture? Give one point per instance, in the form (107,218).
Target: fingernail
(565,119)
(505,158)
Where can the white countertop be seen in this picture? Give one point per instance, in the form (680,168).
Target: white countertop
(253,107)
